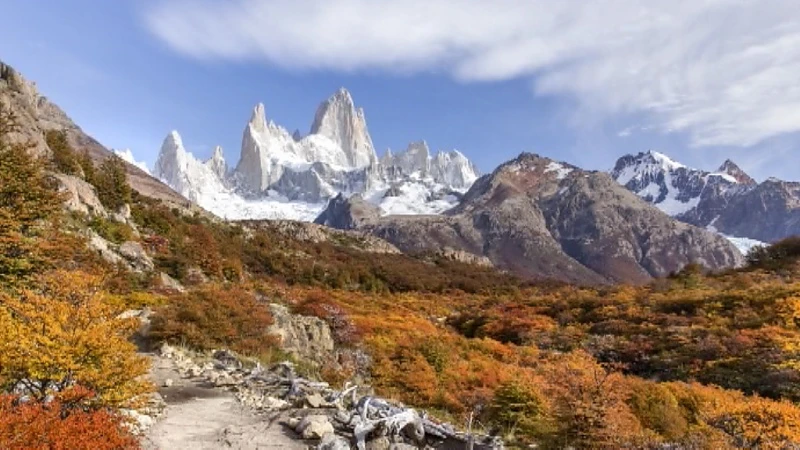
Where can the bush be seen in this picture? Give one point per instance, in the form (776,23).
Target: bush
(112,231)
(57,426)
(214,317)
(66,333)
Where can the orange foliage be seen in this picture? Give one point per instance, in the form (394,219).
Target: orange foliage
(213,317)
(54,426)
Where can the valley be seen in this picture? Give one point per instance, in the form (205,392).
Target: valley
(539,305)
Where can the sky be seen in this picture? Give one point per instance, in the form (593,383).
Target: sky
(583,82)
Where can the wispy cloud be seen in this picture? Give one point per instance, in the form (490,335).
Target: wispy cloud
(724,71)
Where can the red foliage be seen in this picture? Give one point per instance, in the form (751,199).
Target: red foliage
(55,426)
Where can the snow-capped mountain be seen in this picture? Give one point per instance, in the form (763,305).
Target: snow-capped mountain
(727,201)
(287,175)
(127,156)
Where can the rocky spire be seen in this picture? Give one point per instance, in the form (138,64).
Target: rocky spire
(217,163)
(172,160)
(731,168)
(338,119)
(250,170)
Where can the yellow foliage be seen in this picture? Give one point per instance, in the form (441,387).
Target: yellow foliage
(65,333)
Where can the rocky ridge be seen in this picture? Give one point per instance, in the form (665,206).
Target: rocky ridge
(728,200)
(540,218)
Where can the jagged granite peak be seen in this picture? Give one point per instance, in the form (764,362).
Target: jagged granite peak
(542,218)
(217,163)
(183,172)
(416,159)
(265,146)
(731,168)
(338,119)
(277,170)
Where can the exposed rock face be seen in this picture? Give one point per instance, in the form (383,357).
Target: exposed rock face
(540,218)
(217,163)
(81,196)
(348,213)
(35,114)
(306,337)
(338,119)
(728,201)
(136,256)
(309,232)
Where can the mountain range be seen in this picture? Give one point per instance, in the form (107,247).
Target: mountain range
(727,200)
(532,216)
(290,176)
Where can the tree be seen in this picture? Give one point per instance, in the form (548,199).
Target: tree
(28,199)
(111,183)
(65,333)
(64,158)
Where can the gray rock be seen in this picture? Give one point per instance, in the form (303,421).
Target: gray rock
(168,283)
(315,400)
(333,442)
(81,196)
(136,256)
(306,337)
(314,427)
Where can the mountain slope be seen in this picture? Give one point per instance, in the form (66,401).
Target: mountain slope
(543,219)
(728,201)
(35,114)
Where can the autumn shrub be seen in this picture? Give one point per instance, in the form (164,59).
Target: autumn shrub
(320,305)
(780,255)
(65,332)
(215,316)
(111,230)
(29,199)
(60,425)
(519,408)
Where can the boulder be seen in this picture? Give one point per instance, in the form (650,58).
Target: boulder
(136,256)
(314,427)
(306,337)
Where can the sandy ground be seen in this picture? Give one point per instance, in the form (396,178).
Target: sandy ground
(203,418)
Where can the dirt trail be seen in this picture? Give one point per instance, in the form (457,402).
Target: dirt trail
(204,418)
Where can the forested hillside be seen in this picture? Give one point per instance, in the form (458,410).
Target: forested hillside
(695,360)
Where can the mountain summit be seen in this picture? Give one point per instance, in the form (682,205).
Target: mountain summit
(287,175)
(728,201)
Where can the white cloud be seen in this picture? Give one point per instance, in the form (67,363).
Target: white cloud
(724,71)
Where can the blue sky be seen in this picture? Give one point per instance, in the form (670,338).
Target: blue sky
(699,80)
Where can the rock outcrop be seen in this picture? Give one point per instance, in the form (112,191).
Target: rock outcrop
(305,337)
